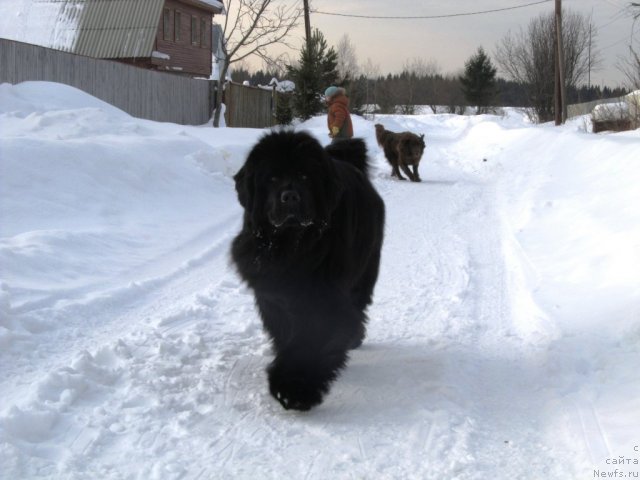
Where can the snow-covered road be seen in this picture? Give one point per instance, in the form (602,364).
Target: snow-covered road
(504,338)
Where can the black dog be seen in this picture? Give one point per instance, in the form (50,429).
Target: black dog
(310,250)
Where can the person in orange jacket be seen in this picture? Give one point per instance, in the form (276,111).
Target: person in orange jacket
(338,117)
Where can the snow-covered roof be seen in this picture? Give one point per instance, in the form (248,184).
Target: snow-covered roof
(215,6)
(96,28)
(52,24)
(215,3)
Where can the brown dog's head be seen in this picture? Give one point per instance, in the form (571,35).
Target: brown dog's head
(411,147)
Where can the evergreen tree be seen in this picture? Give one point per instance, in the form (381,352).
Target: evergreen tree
(479,81)
(284,112)
(317,70)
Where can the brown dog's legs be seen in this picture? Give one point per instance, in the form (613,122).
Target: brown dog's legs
(416,175)
(396,172)
(411,176)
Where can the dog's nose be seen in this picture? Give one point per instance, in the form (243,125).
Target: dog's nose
(290,197)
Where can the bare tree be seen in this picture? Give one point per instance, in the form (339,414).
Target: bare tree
(277,64)
(250,28)
(630,66)
(413,79)
(347,60)
(432,84)
(528,57)
(370,74)
(371,70)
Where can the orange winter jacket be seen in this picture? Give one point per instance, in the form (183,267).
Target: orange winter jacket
(338,116)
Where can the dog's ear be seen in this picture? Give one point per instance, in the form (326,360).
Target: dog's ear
(243,187)
(247,196)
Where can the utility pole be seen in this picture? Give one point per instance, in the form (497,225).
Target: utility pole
(589,79)
(560,90)
(590,40)
(307,24)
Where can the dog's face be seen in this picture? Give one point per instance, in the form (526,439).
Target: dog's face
(412,147)
(287,182)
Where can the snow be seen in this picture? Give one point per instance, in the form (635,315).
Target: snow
(504,338)
(611,111)
(160,55)
(285,86)
(215,3)
(50,23)
(628,107)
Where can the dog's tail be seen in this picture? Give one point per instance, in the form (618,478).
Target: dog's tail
(353,151)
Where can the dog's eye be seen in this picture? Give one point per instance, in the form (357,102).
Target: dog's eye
(304,177)
(274,179)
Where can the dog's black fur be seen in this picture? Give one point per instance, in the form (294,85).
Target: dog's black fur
(310,250)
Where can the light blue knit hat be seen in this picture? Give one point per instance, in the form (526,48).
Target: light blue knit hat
(330,91)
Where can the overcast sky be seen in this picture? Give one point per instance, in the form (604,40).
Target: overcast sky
(451,41)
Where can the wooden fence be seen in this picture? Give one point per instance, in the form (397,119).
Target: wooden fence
(158,96)
(249,107)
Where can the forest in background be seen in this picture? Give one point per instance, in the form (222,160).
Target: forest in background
(408,90)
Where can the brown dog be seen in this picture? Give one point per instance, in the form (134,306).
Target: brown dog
(401,150)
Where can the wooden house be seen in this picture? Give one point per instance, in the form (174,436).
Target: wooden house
(183,39)
(169,35)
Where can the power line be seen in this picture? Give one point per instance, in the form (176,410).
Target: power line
(616,43)
(423,17)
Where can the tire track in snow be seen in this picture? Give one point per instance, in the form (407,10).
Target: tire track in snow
(465,316)
(428,282)
(593,433)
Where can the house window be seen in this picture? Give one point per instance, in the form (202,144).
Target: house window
(166,25)
(177,19)
(204,31)
(194,30)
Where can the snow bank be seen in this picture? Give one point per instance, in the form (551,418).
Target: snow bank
(611,111)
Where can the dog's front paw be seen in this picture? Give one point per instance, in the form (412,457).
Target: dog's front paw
(294,392)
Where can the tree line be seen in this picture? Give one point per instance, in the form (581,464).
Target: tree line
(440,90)
(406,92)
